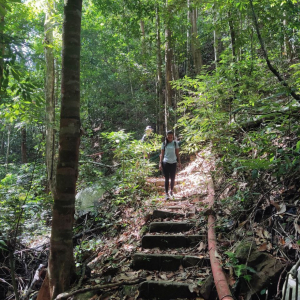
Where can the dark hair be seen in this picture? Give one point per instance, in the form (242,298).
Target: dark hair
(168,132)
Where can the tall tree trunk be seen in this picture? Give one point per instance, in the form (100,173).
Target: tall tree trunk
(288,48)
(142,27)
(216,54)
(1,48)
(175,76)
(232,35)
(57,81)
(216,40)
(195,44)
(168,72)
(7,146)
(168,62)
(50,98)
(23,146)
(159,77)
(2,151)
(61,261)
(188,40)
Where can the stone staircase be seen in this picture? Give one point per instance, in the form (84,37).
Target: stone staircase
(173,247)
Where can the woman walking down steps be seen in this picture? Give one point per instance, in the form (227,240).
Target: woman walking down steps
(169,158)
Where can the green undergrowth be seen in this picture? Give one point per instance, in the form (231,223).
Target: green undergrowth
(252,129)
(119,174)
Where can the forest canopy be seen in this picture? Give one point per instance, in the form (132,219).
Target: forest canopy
(223,74)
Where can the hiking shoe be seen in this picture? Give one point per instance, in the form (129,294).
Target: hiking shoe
(167,196)
(171,194)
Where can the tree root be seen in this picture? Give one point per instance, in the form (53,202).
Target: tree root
(98,287)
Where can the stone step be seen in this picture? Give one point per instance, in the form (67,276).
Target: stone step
(175,207)
(165,262)
(171,241)
(171,226)
(161,181)
(160,214)
(165,290)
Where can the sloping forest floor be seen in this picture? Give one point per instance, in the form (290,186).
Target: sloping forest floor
(106,240)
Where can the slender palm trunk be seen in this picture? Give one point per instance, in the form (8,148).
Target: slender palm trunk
(188,40)
(23,145)
(232,35)
(195,44)
(160,97)
(61,261)
(1,48)
(50,98)
(168,71)
(7,147)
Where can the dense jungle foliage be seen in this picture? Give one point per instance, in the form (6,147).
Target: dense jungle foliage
(224,74)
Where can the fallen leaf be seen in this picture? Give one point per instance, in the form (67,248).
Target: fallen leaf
(282,209)
(269,247)
(163,276)
(267,234)
(183,275)
(296,224)
(217,255)
(282,241)
(275,204)
(136,295)
(263,247)
(201,247)
(170,275)
(193,288)
(128,248)
(259,232)
(131,274)
(242,224)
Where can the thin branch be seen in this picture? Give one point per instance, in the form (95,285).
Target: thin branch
(98,164)
(98,287)
(265,54)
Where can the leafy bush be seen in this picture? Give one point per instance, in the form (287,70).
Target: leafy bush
(251,124)
(23,200)
(124,165)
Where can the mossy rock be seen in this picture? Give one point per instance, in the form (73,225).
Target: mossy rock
(207,288)
(144,230)
(129,290)
(85,296)
(244,249)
